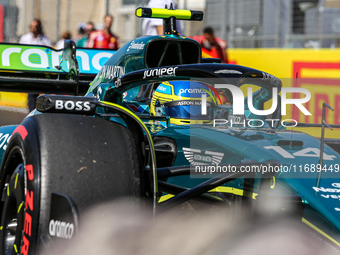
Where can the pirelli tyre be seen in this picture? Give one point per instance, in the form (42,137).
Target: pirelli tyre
(90,160)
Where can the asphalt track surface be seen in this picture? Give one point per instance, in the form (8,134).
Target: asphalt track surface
(12,116)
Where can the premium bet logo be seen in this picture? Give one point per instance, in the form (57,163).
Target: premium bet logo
(191,91)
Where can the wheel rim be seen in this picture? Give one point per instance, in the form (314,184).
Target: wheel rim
(12,217)
(10,233)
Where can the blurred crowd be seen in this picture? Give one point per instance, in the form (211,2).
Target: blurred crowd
(88,36)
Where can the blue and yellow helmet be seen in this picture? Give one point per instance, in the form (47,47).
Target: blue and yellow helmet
(182,102)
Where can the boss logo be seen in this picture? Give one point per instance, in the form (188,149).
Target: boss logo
(72,105)
(67,104)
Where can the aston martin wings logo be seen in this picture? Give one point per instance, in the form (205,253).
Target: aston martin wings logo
(197,157)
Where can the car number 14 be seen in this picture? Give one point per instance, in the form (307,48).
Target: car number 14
(307,152)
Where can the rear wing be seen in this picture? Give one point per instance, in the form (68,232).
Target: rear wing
(42,69)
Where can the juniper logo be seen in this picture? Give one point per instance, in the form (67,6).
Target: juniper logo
(160,72)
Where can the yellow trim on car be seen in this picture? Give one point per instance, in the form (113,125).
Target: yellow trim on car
(163,13)
(222,189)
(165,197)
(231,190)
(320,231)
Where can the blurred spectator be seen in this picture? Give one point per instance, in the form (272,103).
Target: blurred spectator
(104,39)
(81,31)
(60,44)
(211,45)
(35,37)
(155,26)
(89,28)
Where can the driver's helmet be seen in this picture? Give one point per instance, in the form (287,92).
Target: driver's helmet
(182,102)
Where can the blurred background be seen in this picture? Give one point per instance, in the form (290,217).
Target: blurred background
(243,23)
(286,38)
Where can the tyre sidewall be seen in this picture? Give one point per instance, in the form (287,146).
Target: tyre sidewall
(25,138)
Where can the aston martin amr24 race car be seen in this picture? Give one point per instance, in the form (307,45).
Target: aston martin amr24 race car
(157,122)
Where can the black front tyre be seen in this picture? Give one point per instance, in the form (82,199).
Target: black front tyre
(88,159)
(13,203)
